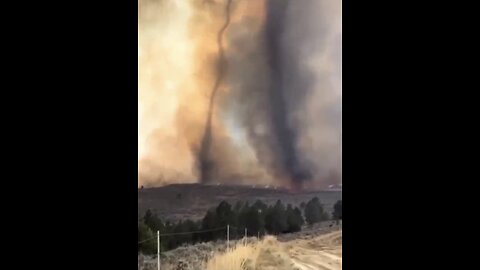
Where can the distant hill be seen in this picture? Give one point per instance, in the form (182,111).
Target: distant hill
(180,201)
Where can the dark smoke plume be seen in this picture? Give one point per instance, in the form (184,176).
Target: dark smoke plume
(206,163)
(285,72)
(285,90)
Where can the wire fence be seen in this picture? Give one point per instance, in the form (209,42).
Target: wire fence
(229,232)
(234,231)
(159,235)
(183,233)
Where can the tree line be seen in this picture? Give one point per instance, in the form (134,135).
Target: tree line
(258,218)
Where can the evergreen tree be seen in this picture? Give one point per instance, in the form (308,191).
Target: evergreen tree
(225,214)
(236,215)
(259,205)
(210,221)
(293,222)
(276,219)
(302,205)
(238,206)
(243,217)
(298,216)
(314,211)
(146,239)
(255,222)
(337,210)
(183,237)
(152,221)
(191,226)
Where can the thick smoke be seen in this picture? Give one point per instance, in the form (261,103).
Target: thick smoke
(273,117)
(298,33)
(176,74)
(288,84)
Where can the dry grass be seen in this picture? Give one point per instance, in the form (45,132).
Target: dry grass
(314,252)
(194,256)
(320,249)
(266,254)
(239,257)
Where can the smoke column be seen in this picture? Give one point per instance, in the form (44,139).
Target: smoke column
(274,118)
(288,88)
(284,68)
(206,163)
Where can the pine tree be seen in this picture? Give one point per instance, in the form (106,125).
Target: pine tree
(255,222)
(210,221)
(146,238)
(314,211)
(236,215)
(238,206)
(298,216)
(337,210)
(152,221)
(243,217)
(276,219)
(224,214)
(293,223)
(259,205)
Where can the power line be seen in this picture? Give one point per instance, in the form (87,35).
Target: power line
(180,233)
(146,240)
(223,228)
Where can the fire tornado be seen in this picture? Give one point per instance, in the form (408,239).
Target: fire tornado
(206,163)
(275,116)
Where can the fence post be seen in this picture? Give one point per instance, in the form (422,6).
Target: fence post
(158,250)
(228,237)
(245,241)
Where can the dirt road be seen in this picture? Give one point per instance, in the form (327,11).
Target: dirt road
(304,252)
(319,253)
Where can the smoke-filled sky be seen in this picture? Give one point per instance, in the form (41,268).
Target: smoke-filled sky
(240,91)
